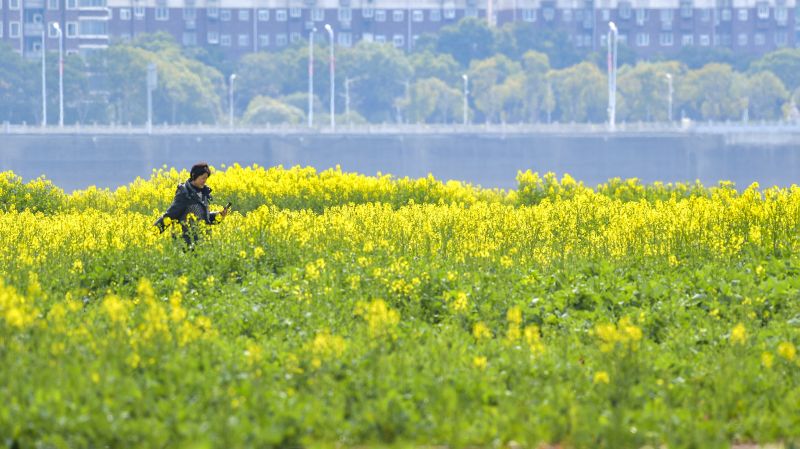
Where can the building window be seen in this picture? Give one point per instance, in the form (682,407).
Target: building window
(742,39)
(138,12)
(435,15)
(225,40)
(295,13)
(687,40)
(665,39)
(93,27)
(189,13)
(763,10)
(51,4)
(1,29)
(225,15)
(705,15)
(605,13)
(380,15)
(317,14)
(566,15)
(281,16)
(548,13)
(125,14)
(212,37)
(726,15)
(263,40)
(781,14)
(623,39)
(72,29)
(759,39)
(449,13)
(244,40)
(529,15)
(642,40)
(367,37)
(641,16)
(294,37)
(380,39)
(13,29)
(212,12)
(71,4)
(398,15)
(345,39)
(418,15)
(244,15)
(687,9)
(263,15)
(780,38)
(399,40)
(14,4)
(345,14)
(625,10)
(92,3)
(189,39)
(471,12)
(162,13)
(666,15)
(280,40)
(742,14)
(705,41)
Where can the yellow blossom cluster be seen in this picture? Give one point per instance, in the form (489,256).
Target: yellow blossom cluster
(624,335)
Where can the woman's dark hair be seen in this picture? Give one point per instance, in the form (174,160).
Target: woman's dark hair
(198,169)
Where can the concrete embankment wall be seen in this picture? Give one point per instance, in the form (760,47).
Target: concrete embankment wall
(75,161)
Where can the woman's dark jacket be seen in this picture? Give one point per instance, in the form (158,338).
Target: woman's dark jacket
(189,200)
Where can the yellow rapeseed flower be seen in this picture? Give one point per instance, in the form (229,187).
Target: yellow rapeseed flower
(601,377)
(767,359)
(479,362)
(738,334)
(787,350)
(480,331)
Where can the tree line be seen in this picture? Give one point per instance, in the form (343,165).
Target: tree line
(514,74)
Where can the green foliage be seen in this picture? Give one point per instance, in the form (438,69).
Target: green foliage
(265,110)
(643,90)
(714,92)
(766,96)
(430,100)
(580,93)
(469,40)
(784,63)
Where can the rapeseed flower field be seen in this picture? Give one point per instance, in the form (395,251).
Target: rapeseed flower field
(335,309)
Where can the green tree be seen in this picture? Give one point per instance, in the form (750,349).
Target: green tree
(435,65)
(643,90)
(470,39)
(265,110)
(431,100)
(766,96)
(18,85)
(514,39)
(580,93)
(784,63)
(381,73)
(490,92)
(535,67)
(714,92)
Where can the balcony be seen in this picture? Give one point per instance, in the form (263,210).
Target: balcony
(33,29)
(33,4)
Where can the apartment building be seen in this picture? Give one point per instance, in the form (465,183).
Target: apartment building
(238,27)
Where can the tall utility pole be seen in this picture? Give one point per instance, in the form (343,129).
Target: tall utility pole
(333,78)
(152,83)
(44,82)
(669,97)
(60,75)
(612,75)
(311,77)
(466,93)
(230,100)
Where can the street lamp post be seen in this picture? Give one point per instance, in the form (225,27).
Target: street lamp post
(612,75)
(311,77)
(333,78)
(60,74)
(466,93)
(44,82)
(347,82)
(230,100)
(669,97)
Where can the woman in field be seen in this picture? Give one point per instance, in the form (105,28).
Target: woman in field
(191,205)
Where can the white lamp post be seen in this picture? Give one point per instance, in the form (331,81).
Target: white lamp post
(466,93)
(230,100)
(60,74)
(311,77)
(333,78)
(44,82)
(612,75)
